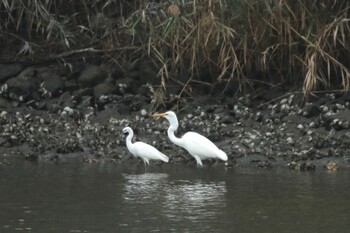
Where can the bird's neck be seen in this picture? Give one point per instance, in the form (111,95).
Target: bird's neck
(129,141)
(171,135)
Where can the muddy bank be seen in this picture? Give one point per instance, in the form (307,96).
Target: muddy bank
(60,115)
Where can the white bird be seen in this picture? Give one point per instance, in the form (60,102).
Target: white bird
(197,145)
(140,149)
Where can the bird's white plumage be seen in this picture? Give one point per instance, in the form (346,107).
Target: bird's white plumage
(197,145)
(140,149)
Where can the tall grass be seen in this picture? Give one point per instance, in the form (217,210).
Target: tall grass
(302,43)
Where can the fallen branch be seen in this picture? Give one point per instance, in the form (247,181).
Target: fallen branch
(92,50)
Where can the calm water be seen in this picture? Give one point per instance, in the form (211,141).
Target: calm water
(45,197)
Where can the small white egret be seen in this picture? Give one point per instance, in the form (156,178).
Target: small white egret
(140,149)
(197,145)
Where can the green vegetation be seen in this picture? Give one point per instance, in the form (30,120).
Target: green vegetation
(303,43)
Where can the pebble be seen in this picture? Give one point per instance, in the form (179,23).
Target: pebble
(339,106)
(332,165)
(285,108)
(290,140)
(143,112)
(345,124)
(68,111)
(324,108)
(284,101)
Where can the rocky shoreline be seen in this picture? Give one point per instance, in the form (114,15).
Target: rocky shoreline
(60,115)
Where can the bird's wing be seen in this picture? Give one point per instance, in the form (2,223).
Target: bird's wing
(199,145)
(147,151)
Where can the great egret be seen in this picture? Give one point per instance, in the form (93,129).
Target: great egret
(143,150)
(197,145)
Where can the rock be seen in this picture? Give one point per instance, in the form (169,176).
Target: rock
(304,166)
(116,73)
(5,103)
(66,99)
(229,88)
(311,110)
(147,73)
(41,105)
(104,89)
(51,84)
(290,141)
(92,76)
(259,117)
(10,70)
(343,115)
(85,102)
(332,165)
(126,85)
(143,112)
(22,87)
(261,163)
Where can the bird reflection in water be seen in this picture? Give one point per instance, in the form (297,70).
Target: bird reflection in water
(147,186)
(195,200)
(175,200)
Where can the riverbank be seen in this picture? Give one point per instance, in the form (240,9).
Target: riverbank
(54,121)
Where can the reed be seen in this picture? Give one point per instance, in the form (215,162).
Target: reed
(299,43)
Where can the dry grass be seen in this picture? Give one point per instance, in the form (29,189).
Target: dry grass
(301,43)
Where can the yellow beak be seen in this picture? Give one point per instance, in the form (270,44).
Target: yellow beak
(158,115)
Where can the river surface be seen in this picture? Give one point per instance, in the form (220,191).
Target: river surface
(106,197)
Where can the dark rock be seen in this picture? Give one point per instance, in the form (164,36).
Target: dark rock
(145,90)
(134,74)
(273,93)
(138,101)
(92,76)
(28,72)
(107,114)
(311,110)
(308,166)
(52,83)
(261,163)
(86,101)
(259,117)
(70,85)
(84,92)
(147,74)
(229,120)
(71,70)
(54,108)
(127,85)
(42,105)
(5,103)
(343,115)
(104,89)
(22,87)
(229,88)
(117,73)
(123,109)
(304,166)
(7,71)
(66,99)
